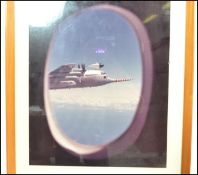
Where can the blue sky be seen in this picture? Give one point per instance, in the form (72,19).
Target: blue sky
(78,38)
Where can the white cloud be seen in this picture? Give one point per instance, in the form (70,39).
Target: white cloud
(123,96)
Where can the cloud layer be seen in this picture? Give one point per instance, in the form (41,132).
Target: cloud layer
(123,96)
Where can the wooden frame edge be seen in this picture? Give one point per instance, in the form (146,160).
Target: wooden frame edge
(10,88)
(188,89)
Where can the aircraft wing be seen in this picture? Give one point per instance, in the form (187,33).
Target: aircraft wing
(61,71)
(59,78)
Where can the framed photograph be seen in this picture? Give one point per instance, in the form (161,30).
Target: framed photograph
(99,86)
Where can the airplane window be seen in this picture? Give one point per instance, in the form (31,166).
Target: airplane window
(86,117)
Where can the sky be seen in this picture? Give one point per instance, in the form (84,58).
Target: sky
(78,40)
(89,37)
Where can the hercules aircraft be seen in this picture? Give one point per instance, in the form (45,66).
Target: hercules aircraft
(77,76)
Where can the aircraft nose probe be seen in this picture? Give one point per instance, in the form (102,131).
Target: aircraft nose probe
(121,80)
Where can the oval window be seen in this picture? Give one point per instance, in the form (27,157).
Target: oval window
(98,79)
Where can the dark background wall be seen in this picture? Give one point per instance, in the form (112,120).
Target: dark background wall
(150,148)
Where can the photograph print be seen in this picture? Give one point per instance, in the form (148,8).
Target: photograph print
(98,85)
